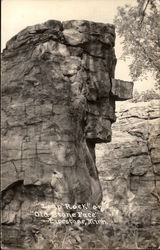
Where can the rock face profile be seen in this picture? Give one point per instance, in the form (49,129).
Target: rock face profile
(58,101)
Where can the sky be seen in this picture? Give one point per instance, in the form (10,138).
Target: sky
(18,14)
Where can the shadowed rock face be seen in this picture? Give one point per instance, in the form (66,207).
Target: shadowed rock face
(58,101)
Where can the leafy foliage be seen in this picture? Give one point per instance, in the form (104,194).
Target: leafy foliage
(139,26)
(145,96)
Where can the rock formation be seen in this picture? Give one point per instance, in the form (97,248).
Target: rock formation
(58,101)
(129,170)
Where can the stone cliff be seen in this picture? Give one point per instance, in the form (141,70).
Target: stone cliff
(129,170)
(58,101)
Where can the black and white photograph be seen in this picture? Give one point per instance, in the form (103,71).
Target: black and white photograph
(80,124)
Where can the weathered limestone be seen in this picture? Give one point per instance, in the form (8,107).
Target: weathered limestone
(129,170)
(58,101)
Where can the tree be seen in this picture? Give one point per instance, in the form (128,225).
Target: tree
(139,26)
(145,96)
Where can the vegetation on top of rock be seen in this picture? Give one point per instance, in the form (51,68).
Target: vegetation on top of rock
(145,96)
(139,26)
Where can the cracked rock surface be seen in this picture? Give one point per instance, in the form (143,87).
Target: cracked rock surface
(58,101)
(129,169)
